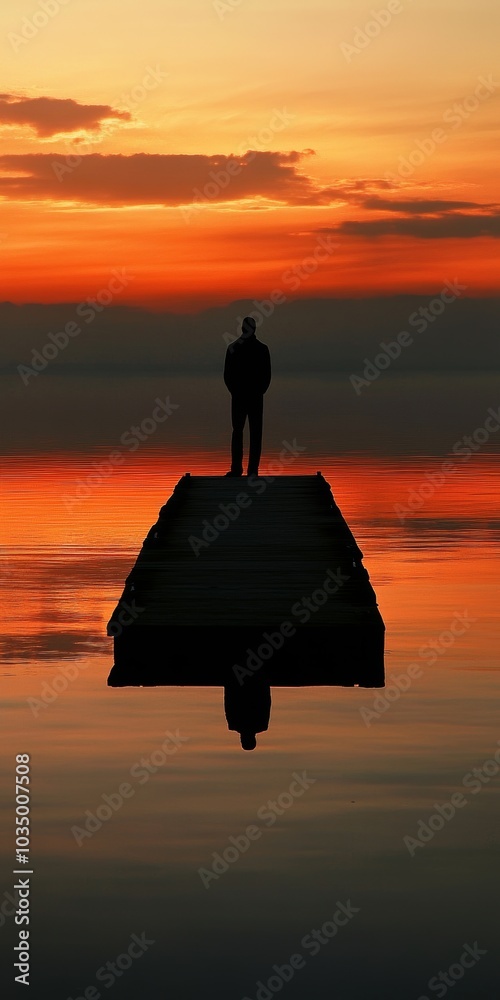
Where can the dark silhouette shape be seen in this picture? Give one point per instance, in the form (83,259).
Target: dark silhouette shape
(248,741)
(282,601)
(248,708)
(247,374)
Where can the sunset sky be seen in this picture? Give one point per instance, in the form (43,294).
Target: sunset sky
(330,167)
(206,147)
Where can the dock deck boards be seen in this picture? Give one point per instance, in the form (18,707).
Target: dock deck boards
(236,557)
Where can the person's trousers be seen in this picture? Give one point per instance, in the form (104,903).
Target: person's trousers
(241,408)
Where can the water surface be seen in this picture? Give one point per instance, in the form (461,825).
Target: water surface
(373,774)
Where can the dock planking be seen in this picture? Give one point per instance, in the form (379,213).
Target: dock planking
(230,560)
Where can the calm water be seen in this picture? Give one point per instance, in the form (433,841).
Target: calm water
(376,774)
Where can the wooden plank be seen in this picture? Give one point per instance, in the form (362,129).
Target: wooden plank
(242,556)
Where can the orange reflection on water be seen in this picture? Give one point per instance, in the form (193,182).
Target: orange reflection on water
(68,554)
(91,739)
(64,499)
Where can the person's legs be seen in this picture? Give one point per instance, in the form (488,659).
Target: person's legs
(255,413)
(238,417)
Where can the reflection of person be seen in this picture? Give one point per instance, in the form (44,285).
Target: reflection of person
(248,741)
(247,374)
(247,708)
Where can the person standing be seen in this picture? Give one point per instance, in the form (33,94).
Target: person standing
(247,375)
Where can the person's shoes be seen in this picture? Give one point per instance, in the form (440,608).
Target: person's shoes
(253,472)
(234,474)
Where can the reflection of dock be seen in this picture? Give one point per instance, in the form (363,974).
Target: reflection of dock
(242,571)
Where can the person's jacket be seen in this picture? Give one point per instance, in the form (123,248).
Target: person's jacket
(247,369)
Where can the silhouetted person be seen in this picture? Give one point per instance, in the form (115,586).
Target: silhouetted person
(248,707)
(247,374)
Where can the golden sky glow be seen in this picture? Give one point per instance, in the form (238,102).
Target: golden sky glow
(126,129)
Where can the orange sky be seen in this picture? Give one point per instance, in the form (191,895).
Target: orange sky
(127,128)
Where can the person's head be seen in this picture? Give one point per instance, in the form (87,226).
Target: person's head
(248,326)
(248,741)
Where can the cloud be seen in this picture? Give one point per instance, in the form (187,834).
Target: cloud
(354,186)
(420,206)
(49,116)
(171,179)
(309,334)
(453,226)
(107,379)
(426,218)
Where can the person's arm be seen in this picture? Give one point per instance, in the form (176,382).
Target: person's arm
(266,370)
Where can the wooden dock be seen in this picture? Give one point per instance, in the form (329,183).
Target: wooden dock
(234,566)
